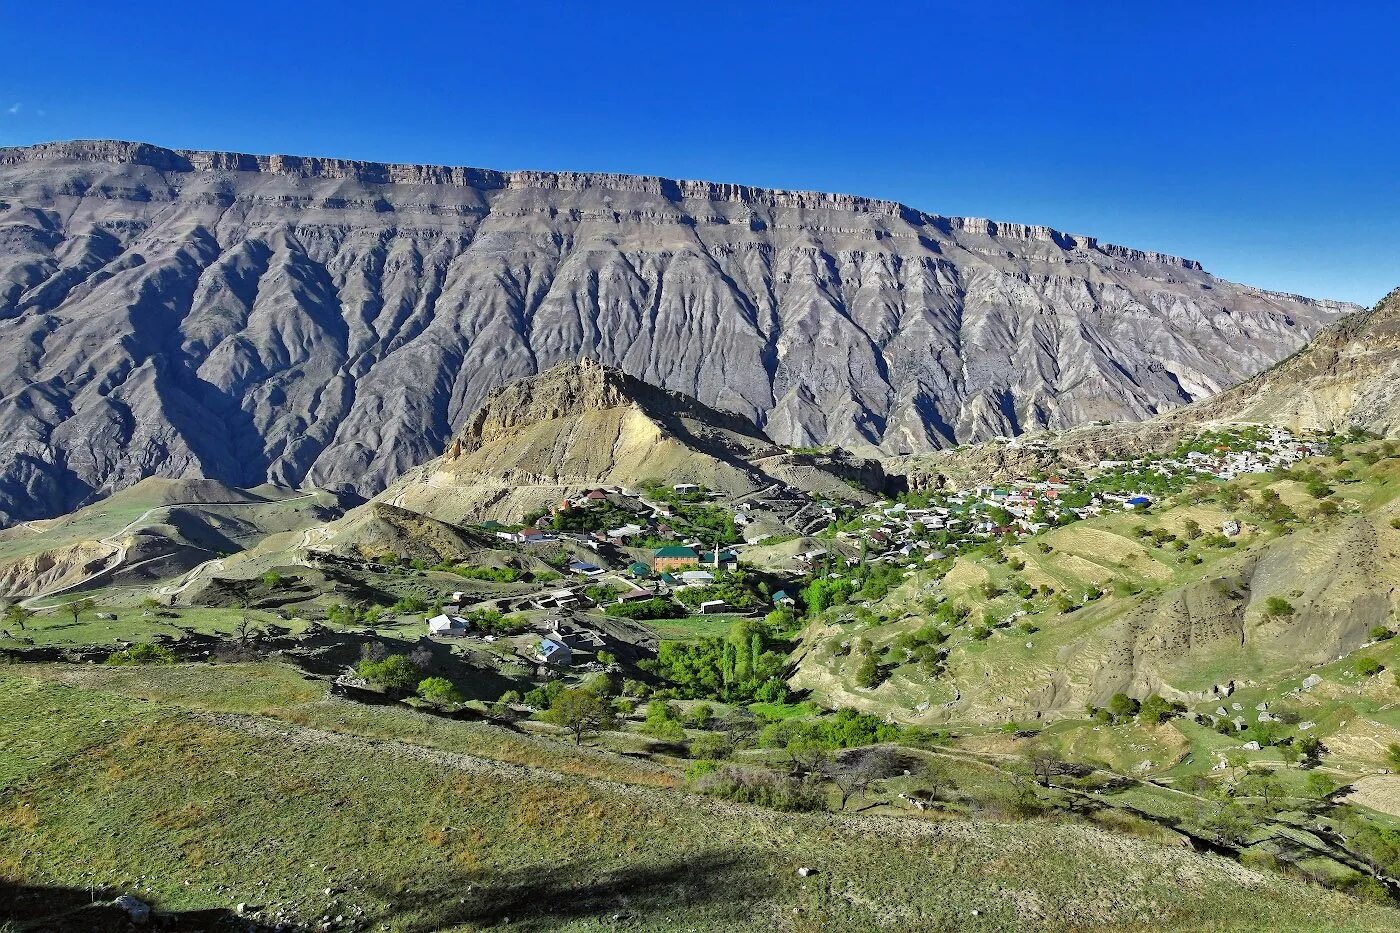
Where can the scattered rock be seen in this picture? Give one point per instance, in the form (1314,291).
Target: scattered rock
(138,911)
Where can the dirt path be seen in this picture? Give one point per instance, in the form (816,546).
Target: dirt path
(119,547)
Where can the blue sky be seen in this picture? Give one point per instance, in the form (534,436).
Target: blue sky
(1263,140)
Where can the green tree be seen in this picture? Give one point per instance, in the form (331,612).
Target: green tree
(1366,667)
(663,721)
(439,691)
(1319,785)
(580,711)
(77,607)
(1156,709)
(1123,707)
(18,616)
(395,673)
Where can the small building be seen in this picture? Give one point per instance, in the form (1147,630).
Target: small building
(781,598)
(696,578)
(448,625)
(553,652)
(530,536)
(585,568)
(711,606)
(595,497)
(675,558)
(685,488)
(1137,502)
(719,560)
(638,569)
(633,595)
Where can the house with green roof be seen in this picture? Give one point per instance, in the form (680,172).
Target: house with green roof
(675,557)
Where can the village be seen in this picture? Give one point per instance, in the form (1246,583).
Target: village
(934,525)
(667,552)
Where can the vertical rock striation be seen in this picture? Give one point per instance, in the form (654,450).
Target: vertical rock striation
(306,320)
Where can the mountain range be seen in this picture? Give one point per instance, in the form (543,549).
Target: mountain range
(310,321)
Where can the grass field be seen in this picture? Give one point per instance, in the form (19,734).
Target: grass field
(206,786)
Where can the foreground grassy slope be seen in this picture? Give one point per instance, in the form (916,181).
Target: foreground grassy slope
(209,786)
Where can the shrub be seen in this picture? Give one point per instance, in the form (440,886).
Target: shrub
(762,788)
(1122,707)
(439,691)
(655,608)
(1366,667)
(396,673)
(142,654)
(1277,607)
(1381,633)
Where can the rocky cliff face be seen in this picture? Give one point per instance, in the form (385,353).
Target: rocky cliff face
(1348,376)
(299,320)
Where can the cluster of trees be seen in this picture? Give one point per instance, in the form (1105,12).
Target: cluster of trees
(738,589)
(402,675)
(746,664)
(657,607)
(1122,708)
(493,622)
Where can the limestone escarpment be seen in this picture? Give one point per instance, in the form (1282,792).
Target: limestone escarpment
(330,322)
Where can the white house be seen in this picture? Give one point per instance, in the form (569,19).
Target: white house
(550,651)
(448,625)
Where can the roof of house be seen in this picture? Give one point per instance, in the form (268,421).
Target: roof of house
(638,567)
(676,551)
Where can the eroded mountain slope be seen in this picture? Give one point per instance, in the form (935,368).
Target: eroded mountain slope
(332,323)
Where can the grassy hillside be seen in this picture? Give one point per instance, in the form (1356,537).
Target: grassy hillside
(1135,603)
(198,787)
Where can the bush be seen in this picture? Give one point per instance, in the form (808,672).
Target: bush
(492,574)
(439,691)
(396,673)
(1123,707)
(655,608)
(762,788)
(142,654)
(1277,607)
(1366,667)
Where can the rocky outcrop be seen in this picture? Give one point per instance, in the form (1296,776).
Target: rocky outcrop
(581,425)
(331,322)
(1349,376)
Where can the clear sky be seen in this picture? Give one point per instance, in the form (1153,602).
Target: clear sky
(1261,138)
